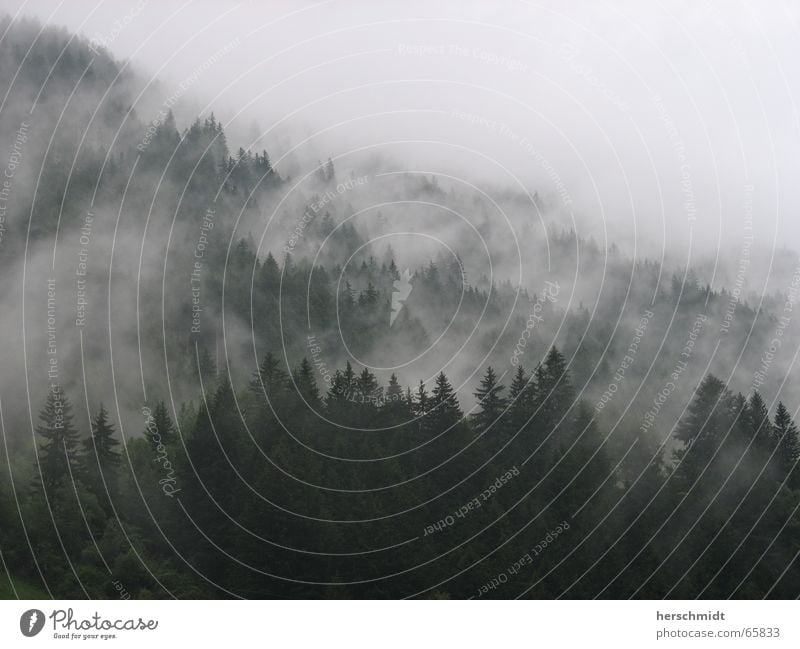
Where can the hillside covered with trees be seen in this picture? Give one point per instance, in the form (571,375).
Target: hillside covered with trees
(224,380)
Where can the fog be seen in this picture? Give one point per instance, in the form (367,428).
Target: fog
(602,195)
(656,126)
(464,133)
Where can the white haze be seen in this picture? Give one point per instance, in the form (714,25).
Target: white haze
(670,131)
(591,104)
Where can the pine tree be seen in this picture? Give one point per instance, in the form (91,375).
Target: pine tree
(161,431)
(421,408)
(207,368)
(396,404)
(784,433)
(394,274)
(492,405)
(421,400)
(57,458)
(217,440)
(305,384)
(368,396)
(367,389)
(553,381)
(708,419)
(553,398)
(339,399)
(100,460)
(520,399)
(269,379)
(349,296)
(371,294)
(758,423)
(445,412)
(393,391)
(215,454)
(270,276)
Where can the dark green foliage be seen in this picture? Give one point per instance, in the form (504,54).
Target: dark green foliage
(444,412)
(100,460)
(490,402)
(785,437)
(302,476)
(162,430)
(57,459)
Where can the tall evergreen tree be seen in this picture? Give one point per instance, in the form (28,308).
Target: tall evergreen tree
(305,384)
(553,398)
(162,430)
(490,403)
(396,405)
(758,423)
(520,399)
(339,399)
(58,454)
(100,460)
(785,436)
(445,412)
(708,419)
(367,389)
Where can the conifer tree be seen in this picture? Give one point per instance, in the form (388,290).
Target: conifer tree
(305,384)
(553,397)
(367,389)
(421,407)
(270,276)
(445,411)
(758,423)
(368,396)
(269,379)
(339,399)
(421,400)
(57,458)
(492,405)
(396,403)
(162,430)
(393,391)
(708,419)
(207,367)
(520,399)
(100,460)
(785,436)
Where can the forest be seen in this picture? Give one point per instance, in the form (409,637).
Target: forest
(211,389)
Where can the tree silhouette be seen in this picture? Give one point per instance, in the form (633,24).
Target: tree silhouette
(58,454)
(100,460)
(492,405)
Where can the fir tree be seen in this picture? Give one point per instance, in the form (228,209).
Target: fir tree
(269,379)
(57,458)
(421,407)
(708,419)
(305,384)
(100,460)
(339,399)
(785,436)
(757,422)
(161,430)
(492,405)
(445,412)
(520,399)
